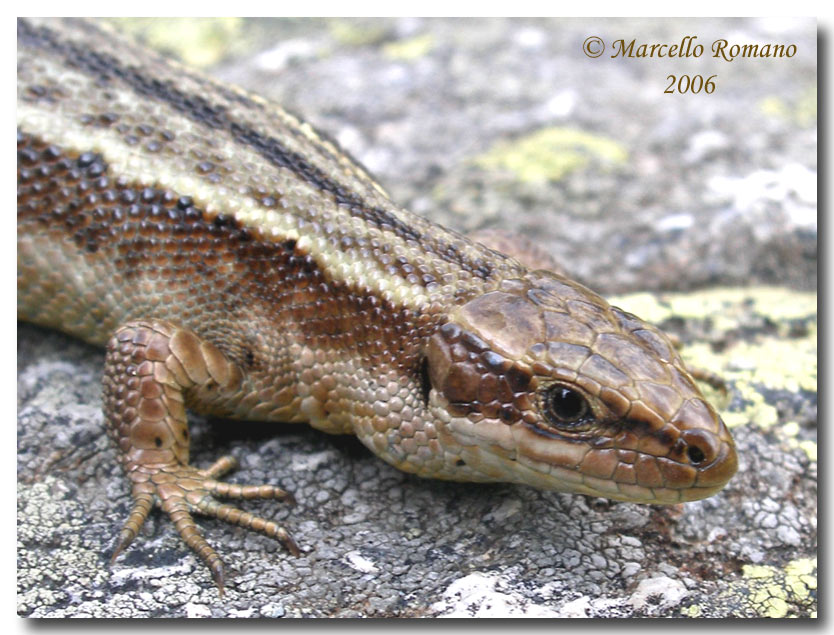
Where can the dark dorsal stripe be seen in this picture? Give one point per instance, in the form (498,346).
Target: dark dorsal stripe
(216,116)
(197,108)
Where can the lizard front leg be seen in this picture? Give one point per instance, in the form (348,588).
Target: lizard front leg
(153,370)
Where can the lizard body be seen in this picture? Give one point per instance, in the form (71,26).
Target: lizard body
(235,262)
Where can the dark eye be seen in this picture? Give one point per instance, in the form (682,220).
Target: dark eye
(565,408)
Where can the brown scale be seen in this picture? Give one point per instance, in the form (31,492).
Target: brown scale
(149,370)
(154,235)
(477,381)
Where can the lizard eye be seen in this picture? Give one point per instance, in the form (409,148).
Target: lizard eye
(566,408)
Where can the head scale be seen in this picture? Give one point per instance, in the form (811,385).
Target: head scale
(544,383)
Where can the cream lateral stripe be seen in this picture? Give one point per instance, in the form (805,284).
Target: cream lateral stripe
(153,170)
(302,201)
(295,135)
(298,137)
(315,149)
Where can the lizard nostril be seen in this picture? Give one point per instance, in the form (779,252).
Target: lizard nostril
(695,454)
(701,446)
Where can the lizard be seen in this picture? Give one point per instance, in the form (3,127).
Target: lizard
(235,262)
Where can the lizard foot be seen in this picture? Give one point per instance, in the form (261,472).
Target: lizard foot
(181,490)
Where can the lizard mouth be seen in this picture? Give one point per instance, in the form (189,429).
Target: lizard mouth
(629,465)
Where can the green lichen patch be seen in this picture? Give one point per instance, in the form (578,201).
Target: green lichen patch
(551,153)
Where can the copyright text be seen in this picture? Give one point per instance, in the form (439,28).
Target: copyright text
(688,47)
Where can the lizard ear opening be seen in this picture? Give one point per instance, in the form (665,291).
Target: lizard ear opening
(452,367)
(425,380)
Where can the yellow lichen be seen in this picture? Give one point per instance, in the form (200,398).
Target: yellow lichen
(409,49)
(692,611)
(790,431)
(806,108)
(810,448)
(774,107)
(551,153)
(357,32)
(802,575)
(801,111)
(757,571)
(773,592)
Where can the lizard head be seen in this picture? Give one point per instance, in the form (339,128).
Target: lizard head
(542,382)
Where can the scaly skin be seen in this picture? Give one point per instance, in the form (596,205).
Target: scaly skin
(234,262)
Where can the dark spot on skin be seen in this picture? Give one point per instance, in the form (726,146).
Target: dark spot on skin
(664,437)
(223,220)
(450,331)
(157,442)
(86,159)
(462,409)
(474,342)
(518,379)
(551,433)
(494,362)
(461,384)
